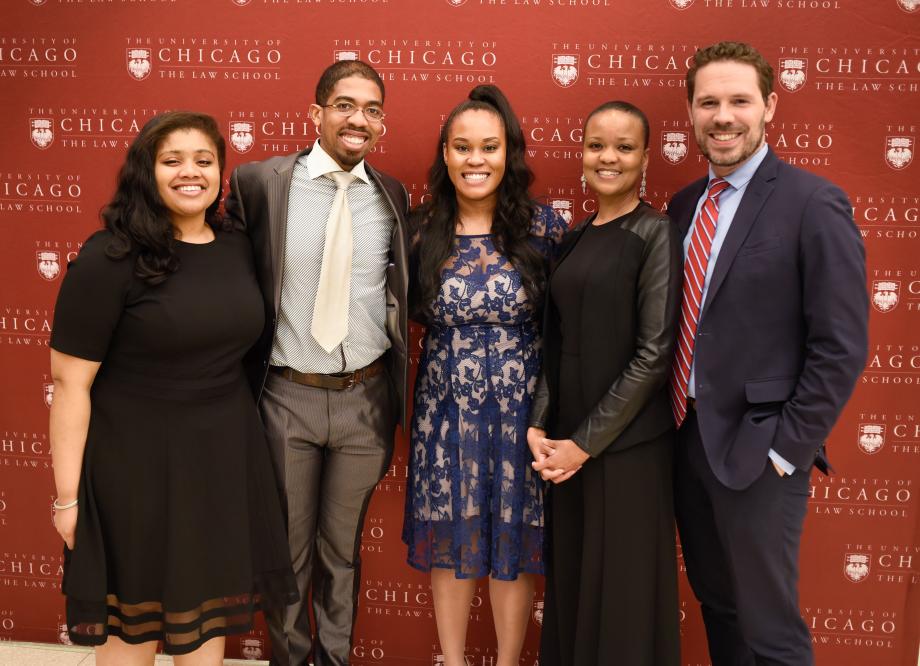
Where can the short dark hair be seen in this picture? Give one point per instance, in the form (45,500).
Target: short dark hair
(735,52)
(342,70)
(625,107)
(136,215)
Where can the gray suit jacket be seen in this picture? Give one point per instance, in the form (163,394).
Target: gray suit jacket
(258,203)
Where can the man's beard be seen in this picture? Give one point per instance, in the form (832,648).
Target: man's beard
(745,151)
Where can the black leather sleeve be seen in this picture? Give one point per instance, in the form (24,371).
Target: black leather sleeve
(657,303)
(539,405)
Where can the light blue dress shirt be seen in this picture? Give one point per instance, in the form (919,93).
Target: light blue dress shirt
(729,201)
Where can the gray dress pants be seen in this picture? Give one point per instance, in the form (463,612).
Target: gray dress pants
(329,449)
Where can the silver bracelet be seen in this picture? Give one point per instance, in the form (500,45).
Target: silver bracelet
(61,507)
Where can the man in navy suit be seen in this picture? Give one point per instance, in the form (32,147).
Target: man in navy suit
(773,338)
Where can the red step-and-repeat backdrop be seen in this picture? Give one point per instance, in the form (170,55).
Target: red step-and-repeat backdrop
(79,77)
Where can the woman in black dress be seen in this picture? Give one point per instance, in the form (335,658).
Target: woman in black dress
(165,492)
(601,425)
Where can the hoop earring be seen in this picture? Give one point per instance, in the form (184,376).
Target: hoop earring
(642,186)
(584,184)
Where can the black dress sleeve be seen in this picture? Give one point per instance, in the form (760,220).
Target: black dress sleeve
(91,300)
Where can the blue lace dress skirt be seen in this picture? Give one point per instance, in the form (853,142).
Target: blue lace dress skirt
(473,502)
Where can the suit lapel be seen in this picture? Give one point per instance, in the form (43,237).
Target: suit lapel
(756,194)
(397,238)
(278,191)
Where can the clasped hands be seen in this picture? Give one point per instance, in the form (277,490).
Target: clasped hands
(556,459)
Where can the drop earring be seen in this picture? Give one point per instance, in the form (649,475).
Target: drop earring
(584,184)
(642,186)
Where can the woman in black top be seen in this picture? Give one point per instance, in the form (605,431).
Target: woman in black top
(165,493)
(601,425)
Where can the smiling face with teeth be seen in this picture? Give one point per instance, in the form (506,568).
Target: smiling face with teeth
(475,156)
(348,140)
(614,157)
(187,174)
(729,113)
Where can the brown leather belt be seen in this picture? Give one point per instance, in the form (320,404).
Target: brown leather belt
(337,381)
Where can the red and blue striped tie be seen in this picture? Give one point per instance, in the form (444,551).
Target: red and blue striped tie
(695,266)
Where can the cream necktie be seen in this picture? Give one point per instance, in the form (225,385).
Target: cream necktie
(330,310)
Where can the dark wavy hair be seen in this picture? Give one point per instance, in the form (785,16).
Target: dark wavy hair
(435,220)
(136,215)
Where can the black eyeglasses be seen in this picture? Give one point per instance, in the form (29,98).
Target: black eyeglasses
(373,114)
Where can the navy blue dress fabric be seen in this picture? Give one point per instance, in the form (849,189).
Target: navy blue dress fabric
(473,502)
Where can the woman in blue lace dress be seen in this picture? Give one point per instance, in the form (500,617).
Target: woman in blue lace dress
(474,507)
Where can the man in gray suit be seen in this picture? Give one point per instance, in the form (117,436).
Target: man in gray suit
(329,238)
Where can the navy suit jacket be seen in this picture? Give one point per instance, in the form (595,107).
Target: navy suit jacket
(782,337)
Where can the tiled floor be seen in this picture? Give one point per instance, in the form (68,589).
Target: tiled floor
(35,654)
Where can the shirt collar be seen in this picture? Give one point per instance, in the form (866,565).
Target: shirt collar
(319,164)
(743,174)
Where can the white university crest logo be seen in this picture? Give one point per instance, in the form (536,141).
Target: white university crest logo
(41,132)
(855,567)
(565,69)
(538,612)
(871,437)
(909,6)
(38,3)
(792,73)
(63,636)
(49,263)
(139,64)
(251,648)
(680,4)
(338,56)
(899,151)
(437,659)
(456,3)
(885,294)
(564,208)
(242,138)
(240,3)
(674,146)
(48,392)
